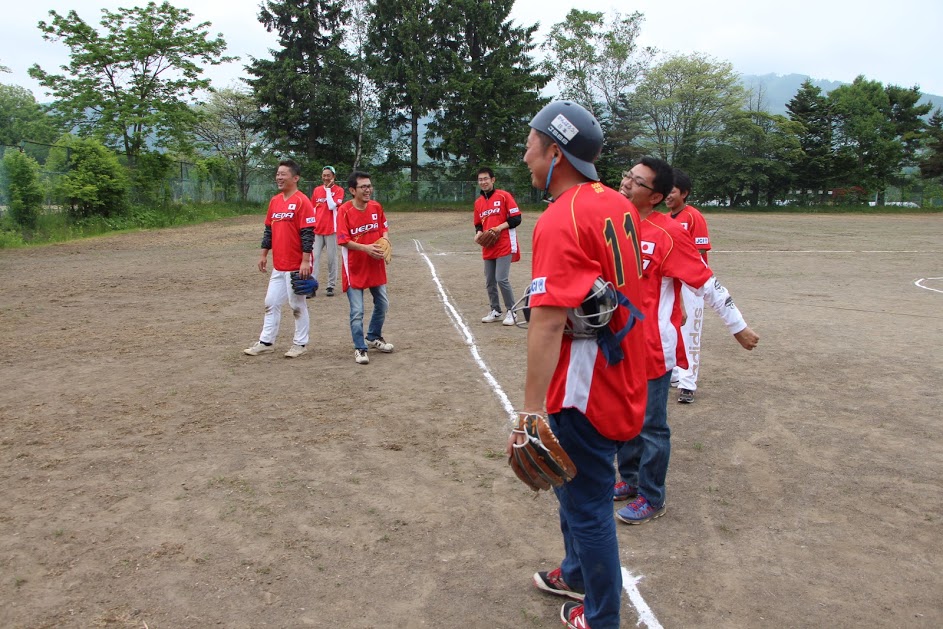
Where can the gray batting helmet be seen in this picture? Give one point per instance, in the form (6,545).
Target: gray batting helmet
(575,131)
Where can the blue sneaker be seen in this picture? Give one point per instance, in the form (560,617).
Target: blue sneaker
(639,511)
(624,491)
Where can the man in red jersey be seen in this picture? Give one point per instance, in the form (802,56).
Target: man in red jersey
(669,258)
(497,211)
(360,223)
(693,221)
(289,234)
(588,232)
(326,198)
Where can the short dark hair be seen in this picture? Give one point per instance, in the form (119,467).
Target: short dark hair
(356,176)
(682,181)
(484,170)
(292,165)
(664,174)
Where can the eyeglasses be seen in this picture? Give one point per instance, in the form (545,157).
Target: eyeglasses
(635,180)
(485,180)
(366,186)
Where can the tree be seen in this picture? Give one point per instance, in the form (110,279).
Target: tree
(931,166)
(751,158)
(408,65)
(95,183)
(878,130)
(815,165)
(21,176)
(683,103)
(226,124)
(595,63)
(304,92)
(22,118)
(492,89)
(135,79)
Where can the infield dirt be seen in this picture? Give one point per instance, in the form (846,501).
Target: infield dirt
(154,476)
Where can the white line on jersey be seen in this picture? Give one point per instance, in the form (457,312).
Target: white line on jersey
(629,581)
(920,282)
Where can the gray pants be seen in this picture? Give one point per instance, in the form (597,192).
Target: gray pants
(498,275)
(320,242)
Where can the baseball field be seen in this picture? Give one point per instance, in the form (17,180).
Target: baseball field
(154,476)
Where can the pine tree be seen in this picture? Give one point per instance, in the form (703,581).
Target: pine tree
(815,167)
(407,63)
(305,91)
(491,89)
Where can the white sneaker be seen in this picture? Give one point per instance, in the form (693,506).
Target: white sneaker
(360,355)
(258,348)
(295,351)
(509,319)
(493,316)
(379,344)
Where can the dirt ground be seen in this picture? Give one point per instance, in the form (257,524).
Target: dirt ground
(153,476)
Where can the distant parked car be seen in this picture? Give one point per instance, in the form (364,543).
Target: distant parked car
(896,203)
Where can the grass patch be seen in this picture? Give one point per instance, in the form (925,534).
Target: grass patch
(58,226)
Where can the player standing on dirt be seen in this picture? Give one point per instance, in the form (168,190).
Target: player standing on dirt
(289,234)
(326,198)
(588,232)
(693,221)
(496,219)
(360,223)
(669,258)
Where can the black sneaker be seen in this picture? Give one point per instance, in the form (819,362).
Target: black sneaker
(329,292)
(685,396)
(553,583)
(573,617)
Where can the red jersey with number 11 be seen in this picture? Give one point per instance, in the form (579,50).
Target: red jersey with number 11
(591,230)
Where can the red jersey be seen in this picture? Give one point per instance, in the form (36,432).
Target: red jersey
(668,258)
(287,217)
(492,210)
(325,216)
(364,227)
(591,230)
(694,222)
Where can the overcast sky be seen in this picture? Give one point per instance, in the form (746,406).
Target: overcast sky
(837,40)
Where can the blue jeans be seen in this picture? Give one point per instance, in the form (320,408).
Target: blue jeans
(591,548)
(643,461)
(380,305)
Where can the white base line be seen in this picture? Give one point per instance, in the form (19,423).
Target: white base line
(645,615)
(919,282)
(466,334)
(629,581)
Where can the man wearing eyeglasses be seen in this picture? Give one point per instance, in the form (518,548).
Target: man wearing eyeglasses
(360,223)
(496,219)
(669,258)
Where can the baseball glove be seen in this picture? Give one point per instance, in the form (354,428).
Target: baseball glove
(307,287)
(488,238)
(540,461)
(387,247)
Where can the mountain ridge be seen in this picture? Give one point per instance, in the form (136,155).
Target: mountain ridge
(779,89)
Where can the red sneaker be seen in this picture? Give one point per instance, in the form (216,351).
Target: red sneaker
(572,616)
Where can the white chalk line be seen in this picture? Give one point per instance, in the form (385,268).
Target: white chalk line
(629,581)
(645,615)
(919,283)
(466,334)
